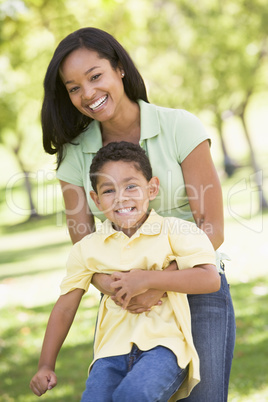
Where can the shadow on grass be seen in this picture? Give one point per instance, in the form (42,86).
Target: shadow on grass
(20,348)
(36,222)
(21,255)
(249,370)
(71,374)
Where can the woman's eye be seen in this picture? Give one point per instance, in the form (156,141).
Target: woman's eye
(95,77)
(72,90)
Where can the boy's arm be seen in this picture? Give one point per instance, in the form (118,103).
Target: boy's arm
(58,326)
(203,278)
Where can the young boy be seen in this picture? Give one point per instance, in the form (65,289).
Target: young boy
(137,357)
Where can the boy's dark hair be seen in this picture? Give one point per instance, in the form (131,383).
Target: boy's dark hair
(61,121)
(120,151)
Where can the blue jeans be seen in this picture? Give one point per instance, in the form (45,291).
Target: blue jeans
(140,376)
(213,328)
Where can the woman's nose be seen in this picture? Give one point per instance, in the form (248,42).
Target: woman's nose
(89,92)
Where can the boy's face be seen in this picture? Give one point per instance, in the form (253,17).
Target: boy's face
(123,195)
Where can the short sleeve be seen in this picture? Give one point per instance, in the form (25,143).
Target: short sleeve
(190,245)
(190,133)
(71,168)
(78,274)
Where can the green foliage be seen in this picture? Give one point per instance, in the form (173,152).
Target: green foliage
(207,55)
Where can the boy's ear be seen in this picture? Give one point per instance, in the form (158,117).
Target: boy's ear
(96,200)
(153,187)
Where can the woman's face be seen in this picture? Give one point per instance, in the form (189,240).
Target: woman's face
(94,87)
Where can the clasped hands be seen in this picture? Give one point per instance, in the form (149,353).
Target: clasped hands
(132,293)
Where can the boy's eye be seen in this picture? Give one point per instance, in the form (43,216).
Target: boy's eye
(110,190)
(95,77)
(131,187)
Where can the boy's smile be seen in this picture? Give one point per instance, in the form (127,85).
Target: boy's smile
(123,195)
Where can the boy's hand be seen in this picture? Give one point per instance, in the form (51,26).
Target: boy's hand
(128,285)
(145,301)
(45,379)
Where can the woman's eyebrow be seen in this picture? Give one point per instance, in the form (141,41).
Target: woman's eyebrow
(85,73)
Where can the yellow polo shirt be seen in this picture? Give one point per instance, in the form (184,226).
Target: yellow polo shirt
(155,244)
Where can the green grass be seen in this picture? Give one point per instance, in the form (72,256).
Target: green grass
(33,255)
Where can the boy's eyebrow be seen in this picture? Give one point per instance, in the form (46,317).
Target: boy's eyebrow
(106,184)
(87,72)
(111,183)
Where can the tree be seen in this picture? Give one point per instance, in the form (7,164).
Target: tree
(214,56)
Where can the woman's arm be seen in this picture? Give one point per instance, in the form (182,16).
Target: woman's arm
(59,323)
(204,192)
(79,219)
(203,278)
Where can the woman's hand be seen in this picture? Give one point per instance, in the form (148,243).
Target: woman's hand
(128,285)
(143,302)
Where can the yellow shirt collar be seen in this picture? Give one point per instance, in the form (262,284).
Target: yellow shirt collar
(152,226)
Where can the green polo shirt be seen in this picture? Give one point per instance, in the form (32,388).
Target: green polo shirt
(167,135)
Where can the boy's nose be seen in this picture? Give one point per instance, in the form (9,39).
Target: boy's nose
(121,196)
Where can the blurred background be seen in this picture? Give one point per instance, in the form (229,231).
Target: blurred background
(209,57)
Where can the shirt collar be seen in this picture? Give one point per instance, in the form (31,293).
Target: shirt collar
(92,140)
(150,127)
(152,226)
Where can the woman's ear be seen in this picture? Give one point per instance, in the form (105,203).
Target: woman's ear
(96,200)
(153,187)
(121,70)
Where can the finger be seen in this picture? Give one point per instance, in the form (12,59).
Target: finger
(115,301)
(116,284)
(116,276)
(120,294)
(52,382)
(126,300)
(138,310)
(37,388)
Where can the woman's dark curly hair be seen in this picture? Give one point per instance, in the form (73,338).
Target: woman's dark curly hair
(120,151)
(61,121)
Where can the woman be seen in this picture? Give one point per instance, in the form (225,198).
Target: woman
(95,95)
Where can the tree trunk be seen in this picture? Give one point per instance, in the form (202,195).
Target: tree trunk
(229,164)
(262,201)
(27,185)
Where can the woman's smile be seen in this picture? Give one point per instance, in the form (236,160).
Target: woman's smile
(98,103)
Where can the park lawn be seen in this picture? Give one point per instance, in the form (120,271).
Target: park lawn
(33,255)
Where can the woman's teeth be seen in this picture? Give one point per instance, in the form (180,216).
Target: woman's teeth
(98,103)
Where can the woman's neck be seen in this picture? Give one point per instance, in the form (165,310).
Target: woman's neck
(126,127)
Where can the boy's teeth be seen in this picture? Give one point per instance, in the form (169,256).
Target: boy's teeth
(124,210)
(98,102)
